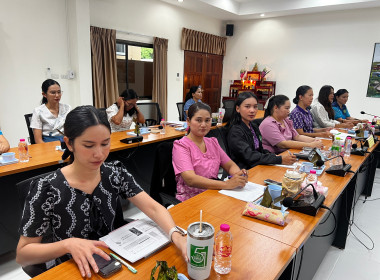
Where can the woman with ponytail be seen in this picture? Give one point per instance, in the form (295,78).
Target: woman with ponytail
(48,119)
(278,131)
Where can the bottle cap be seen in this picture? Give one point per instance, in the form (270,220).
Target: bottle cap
(348,137)
(224,227)
(22,140)
(312,171)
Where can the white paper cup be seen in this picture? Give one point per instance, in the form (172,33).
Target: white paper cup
(7,157)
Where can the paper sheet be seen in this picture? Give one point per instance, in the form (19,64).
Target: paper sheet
(250,192)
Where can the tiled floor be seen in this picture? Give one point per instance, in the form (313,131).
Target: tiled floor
(355,262)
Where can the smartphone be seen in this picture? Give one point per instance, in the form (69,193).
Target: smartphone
(106,268)
(272,182)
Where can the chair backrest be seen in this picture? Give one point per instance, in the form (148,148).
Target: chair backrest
(151,112)
(228,103)
(180,111)
(28,117)
(220,133)
(258,121)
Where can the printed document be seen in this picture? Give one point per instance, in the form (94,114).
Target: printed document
(249,193)
(136,240)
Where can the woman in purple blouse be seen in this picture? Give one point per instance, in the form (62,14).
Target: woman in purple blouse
(196,158)
(301,116)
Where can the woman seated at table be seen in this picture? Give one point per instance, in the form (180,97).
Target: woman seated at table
(301,116)
(4,145)
(277,129)
(322,111)
(244,137)
(193,96)
(121,114)
(341,113)
(196,158)
(74,206)
(48,119)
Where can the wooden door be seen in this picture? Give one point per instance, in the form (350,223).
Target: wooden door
(206,70)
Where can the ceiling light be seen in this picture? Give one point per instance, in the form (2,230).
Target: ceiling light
(262,15)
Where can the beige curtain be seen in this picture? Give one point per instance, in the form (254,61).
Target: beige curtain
(160,73)
(104,71)
(197,41)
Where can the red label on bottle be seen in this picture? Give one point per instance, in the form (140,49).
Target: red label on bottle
(225,251)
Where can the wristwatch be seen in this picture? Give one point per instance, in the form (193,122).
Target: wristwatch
(178,229)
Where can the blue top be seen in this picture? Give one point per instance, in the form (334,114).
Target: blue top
(1,133)
(302,119)
(187,105)
(340,112)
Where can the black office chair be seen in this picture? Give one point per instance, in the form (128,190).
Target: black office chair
(228,104)
(28,117)
(258,121)
(180,111)
(151,112)
(164,187)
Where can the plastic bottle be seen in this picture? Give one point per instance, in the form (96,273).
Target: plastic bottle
(335,151)
(220,119)
(312,178)
(347,146)
(163,124)
(341,150)
(23,151)
(373,129)
(223,252)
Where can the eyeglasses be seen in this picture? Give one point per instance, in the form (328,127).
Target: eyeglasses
(53,92)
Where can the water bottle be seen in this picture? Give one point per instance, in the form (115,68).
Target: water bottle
(373,129)
(163,124)
(347,147)
(335,150)
(220,119)
(341,152)
(223,250)
(312,178)
(23,154)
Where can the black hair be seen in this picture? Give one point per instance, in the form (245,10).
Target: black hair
(236,117)
(78,120)
(195,108)
(300,91)
(45,87)
(323,98)
(339,93)
(129,94)
(277,100)
(192,90)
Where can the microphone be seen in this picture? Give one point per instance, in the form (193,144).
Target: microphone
(302,205)
(340,169)
(358,151)
(364,113)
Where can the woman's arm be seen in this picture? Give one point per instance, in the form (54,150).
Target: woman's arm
(4,145)
(160,216)
(140,116)
(323,134)
(38,135)
(30,250)
(118,118)
(292,144)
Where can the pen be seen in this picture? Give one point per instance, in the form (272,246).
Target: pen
(131,268)
(289,153)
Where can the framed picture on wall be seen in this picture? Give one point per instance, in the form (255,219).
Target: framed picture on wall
(374,74)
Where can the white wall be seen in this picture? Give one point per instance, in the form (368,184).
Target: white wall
(333,48)
(155,18)
(33,37)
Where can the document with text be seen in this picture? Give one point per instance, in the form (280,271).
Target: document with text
(136,240)
(250,192)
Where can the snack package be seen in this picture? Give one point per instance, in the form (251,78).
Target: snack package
(257,211)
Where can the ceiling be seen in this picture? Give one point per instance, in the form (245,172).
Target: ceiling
(232,10)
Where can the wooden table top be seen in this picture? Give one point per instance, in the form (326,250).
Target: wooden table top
(252,254)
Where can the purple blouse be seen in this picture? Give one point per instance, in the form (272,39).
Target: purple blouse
(302,119)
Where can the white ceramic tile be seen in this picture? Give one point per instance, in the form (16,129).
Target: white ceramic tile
(328,264)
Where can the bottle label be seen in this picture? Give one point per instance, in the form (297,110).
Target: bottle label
(198,255)
(224,251)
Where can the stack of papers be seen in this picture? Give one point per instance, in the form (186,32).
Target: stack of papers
(250,192)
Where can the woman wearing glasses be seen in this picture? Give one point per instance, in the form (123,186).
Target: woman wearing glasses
(48,119)
(67,211)
(121,114)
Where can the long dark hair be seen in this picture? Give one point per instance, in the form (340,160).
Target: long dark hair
(78,120)
(129,94)
(45,87)
(192,90)
(195,108)
(277,100)
(236,117)
(339,93)
(300,91)
(323,98)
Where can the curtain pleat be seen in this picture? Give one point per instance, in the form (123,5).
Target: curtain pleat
(160,73)
(197,41)
(104,68)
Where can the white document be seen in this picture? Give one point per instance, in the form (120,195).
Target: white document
(286,166)
(175,123)
(250,192)
(136,240)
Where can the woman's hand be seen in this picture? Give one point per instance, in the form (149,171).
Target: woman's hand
(348,125)
(120,102)
(326,134)
(288,159)
(181,243)
(82,250)
(316,144)
(239,179)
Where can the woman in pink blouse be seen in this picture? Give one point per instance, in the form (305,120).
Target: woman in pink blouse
(196,158)
(277,129)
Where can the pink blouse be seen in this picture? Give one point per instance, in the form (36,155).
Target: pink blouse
(187,156)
